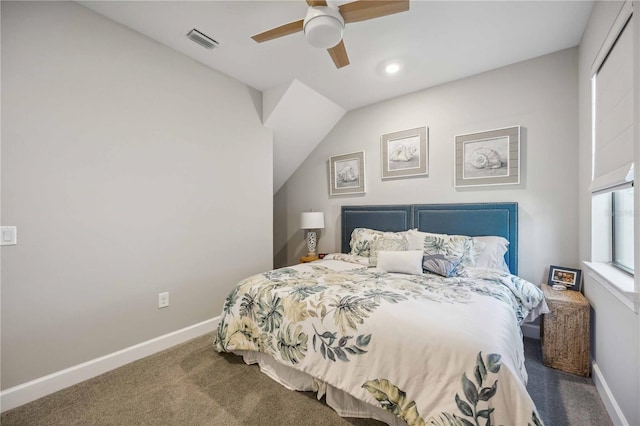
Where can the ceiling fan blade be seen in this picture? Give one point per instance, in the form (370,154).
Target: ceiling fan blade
(281,31)
(313,3)
(362,10)
(339,55)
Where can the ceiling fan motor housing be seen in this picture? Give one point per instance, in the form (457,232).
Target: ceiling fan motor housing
(323,26)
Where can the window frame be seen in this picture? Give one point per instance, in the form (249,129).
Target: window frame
(615,263)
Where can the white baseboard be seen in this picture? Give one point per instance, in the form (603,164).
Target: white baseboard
(531,330)
(616,414)
(30,391)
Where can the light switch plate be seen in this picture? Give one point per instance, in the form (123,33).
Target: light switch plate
(8,235)
(163,300)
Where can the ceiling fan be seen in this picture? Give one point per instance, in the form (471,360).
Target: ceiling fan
(324,24)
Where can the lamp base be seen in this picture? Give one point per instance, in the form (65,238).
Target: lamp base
(311,243)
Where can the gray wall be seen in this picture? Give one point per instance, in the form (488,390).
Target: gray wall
(540,94)
(615,331)
(129,170)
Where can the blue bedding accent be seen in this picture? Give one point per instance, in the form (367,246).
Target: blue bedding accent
(473,219)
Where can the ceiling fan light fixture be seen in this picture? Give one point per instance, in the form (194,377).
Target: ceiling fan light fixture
(323,27)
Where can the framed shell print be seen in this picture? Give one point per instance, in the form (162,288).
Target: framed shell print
(347,174)
(405,153)
(488,158)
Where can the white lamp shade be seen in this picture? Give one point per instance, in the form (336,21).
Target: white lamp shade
(311,220)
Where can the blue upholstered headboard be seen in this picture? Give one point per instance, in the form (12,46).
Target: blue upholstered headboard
(475,220)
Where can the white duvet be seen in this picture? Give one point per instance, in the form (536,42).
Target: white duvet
(428,349)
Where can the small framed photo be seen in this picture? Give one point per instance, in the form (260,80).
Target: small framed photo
(347,174)
(488,158)
(570,278)
(405,153)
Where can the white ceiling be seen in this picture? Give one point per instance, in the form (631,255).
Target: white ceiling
(437,41)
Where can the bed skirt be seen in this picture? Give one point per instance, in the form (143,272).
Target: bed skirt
(343,403)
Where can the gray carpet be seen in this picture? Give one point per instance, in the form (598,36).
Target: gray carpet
(191,384)
(562,398)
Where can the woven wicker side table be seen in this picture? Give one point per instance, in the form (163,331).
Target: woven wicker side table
(565,331)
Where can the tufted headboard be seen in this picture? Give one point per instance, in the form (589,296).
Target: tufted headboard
(473,219)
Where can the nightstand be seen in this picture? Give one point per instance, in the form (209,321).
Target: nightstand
(307,259)
(565,331)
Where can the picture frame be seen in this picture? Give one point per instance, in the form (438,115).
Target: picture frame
(347,174)
(570,278)
(405,153)
(487,158)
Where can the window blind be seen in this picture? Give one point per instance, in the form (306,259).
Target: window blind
(613,115)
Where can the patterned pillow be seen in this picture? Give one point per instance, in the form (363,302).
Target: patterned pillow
(459,246)
(361,241)
(389,241)
(447,266)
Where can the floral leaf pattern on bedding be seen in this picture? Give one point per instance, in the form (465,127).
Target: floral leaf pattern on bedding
(270,312)
(523,296)
(394,400)
(292,343)
(535,421)
(351,311)
(331,347)
(475,409)
(475,395)
(333,320)
(351,258)
(361,241)
(451,245)
(266,306)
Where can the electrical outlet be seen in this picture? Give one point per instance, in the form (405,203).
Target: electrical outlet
(163,300)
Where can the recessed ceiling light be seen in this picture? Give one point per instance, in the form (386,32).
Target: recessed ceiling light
(392,68)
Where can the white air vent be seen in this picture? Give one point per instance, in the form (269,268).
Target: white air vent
(202,39)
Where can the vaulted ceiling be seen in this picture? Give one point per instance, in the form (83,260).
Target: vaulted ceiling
(435,42)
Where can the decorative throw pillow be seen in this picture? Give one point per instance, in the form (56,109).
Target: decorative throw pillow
(386,242)
(446,266)
(459,246)
(361,241)
(404,262)
(451,245)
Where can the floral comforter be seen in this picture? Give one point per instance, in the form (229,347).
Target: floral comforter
(431,350)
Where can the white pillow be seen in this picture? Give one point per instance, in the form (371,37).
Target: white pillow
(386,242)
(415,239)
(490,252)
(404,262)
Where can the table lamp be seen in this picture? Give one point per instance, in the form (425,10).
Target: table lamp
(311,221)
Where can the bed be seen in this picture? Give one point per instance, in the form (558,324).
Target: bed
(368,330)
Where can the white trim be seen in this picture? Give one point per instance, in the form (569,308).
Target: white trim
(531,330)
(610,403)
(615,282)
(34,389)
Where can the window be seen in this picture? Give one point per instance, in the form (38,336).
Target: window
(613,147)
(622,229)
